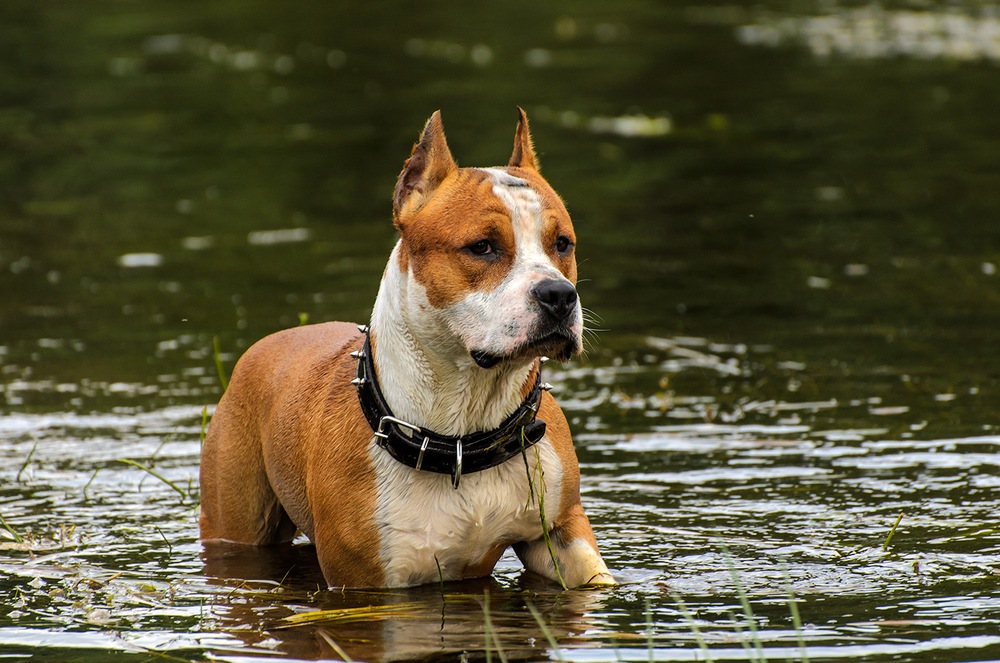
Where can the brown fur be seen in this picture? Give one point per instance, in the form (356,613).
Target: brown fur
(462,211)
(524,148)
(572,523)
(289,430)
(289,448)
(441,209)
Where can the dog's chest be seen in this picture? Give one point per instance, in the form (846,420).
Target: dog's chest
(431,531)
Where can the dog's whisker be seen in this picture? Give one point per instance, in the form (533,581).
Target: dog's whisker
(591,314)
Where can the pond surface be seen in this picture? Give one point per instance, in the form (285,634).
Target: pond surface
(787,423)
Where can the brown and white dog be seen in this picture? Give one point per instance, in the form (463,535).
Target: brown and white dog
(479,287)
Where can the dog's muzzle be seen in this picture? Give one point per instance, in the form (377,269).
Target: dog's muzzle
(556,298)
(556,301)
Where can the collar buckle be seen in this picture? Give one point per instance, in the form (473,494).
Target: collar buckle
(444,454)
(381,432)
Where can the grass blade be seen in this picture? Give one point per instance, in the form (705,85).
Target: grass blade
(885,546)
(793,608)
(27,461)
(154,473)
(745,603)
(17,537)
(440,574)
(92,477)
(204,426)
(491,633)
(739,633)
(692,624)
(170,548)
(217,356)
(366,613)
(545,631)
(541,505)
(334,646)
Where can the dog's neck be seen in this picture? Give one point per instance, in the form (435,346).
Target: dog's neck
(426,377)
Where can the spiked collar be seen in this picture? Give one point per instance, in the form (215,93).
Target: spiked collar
(426,450)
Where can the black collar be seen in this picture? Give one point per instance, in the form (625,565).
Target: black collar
(445,454)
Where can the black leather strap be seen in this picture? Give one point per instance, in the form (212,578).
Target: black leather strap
(426,450)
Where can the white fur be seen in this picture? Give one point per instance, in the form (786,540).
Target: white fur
(422,356)
(426,524)
(429,378)
(586,564)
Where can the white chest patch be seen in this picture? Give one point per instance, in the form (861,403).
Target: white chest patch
(431,531)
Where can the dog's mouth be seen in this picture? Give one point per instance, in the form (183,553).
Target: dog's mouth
(558,345)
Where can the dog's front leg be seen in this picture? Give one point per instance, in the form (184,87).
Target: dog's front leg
(574,549)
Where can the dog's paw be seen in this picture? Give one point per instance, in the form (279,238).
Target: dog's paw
(602,579)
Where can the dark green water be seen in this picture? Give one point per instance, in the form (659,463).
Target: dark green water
(788,230)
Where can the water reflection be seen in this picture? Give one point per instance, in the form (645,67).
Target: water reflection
(876,31)
(403,625)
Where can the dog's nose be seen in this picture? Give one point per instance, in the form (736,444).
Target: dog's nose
(556,297)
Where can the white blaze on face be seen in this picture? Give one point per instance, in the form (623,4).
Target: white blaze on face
(526,217)
(503,321)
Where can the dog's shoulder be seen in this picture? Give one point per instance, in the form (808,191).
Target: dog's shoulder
(295,366)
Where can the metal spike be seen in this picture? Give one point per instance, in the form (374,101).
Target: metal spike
(420,456)
(546,386)
(457,476)
(358,354)
(363,329)
(542,360)
(357,382)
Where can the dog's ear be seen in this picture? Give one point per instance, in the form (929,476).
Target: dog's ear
(428,165)
(524,150)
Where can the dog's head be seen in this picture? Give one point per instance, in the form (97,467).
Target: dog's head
(489,253)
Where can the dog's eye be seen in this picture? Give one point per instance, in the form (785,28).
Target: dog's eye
(481,248)
(563,244)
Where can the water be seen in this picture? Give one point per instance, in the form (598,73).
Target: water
(786,223)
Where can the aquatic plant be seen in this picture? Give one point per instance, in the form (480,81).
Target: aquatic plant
(540,499)
(156,474)
(492,639)
(217,357)
(27,461)
(892,531)
(10,530)
(546,631)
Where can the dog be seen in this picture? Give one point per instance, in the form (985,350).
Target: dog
(418,448)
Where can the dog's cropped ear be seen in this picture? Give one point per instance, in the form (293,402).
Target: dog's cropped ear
(524,150)
(428,165)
